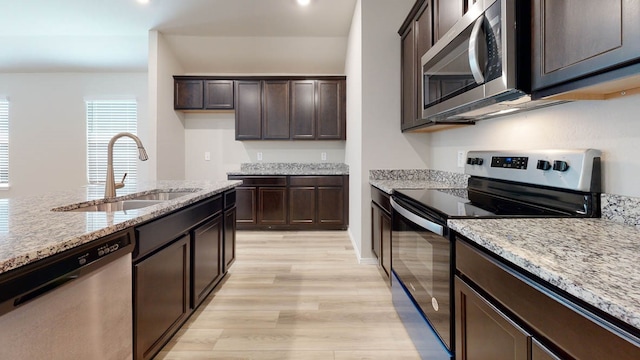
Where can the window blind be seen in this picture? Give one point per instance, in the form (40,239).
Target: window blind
(4,142)
(106,118)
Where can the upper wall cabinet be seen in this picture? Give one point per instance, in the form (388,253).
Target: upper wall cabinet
(200,94)
(416,34)
(578,43)
(271,107)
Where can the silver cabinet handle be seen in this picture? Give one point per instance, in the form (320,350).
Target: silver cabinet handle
(422,222)
(474,56)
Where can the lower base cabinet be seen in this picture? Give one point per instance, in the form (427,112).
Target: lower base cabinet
(502,313)
(178,260)
(381,231)
(161,297)
(297,202)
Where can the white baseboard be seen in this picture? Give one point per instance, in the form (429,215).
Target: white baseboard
(361,260)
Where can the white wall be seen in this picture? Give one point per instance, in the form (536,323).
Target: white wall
(611,126)
(375,140)
(48,126)
(215,133)
(169,124)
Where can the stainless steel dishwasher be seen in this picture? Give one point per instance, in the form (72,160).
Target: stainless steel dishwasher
(73,305)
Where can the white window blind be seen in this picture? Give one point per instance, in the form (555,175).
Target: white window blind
(4,142)
(105,118)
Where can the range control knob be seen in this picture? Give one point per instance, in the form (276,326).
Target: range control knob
(475,161)
(559,165)
(543,165)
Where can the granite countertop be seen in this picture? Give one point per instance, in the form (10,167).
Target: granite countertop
(30,231)
(593,259)
(389,185)
(291,169)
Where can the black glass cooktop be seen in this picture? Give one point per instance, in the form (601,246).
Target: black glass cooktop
(461,203)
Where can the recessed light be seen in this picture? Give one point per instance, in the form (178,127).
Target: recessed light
(143,1)
(304,2)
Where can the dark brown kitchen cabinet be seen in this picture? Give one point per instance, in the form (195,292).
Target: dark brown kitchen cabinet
(218,94)
(483,331)
(161,297)
(575,39)
(272,206)
(200,94)
(247,204)
(275,115)
(416,40)
(330,110)
(500,306)
(292,202)
(177,260)
(317,201)
(445,14)
(303,109)
(381,231)
(229,239)
(188,94)
(206,257)
(248,110)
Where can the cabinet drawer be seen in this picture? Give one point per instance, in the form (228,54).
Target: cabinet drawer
(261,180)
(159,232)
(229,199)
(329,180)
(381,199)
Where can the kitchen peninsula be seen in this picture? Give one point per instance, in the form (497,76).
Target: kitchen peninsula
(138,319)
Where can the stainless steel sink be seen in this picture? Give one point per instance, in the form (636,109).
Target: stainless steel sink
(118,205)
(134,202)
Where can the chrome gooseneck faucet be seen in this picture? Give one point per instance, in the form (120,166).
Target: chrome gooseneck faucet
(111,185)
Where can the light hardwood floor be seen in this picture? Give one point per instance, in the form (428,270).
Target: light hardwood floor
(295,295)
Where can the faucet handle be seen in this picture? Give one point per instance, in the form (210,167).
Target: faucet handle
(121,183)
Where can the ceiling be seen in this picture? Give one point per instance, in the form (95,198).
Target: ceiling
(112,35)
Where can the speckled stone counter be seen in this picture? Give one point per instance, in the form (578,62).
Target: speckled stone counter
(595,260)
(30,231)
(292,169)
(387,180)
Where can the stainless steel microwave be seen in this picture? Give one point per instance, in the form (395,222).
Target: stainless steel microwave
(481,67)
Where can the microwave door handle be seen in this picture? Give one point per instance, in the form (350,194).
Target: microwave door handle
(422,222)
(474,50)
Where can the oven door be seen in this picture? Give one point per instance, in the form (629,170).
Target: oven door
(422,262)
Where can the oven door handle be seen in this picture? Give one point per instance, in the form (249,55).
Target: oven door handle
(422,222)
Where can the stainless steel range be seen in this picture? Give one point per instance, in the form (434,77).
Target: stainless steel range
(502,184)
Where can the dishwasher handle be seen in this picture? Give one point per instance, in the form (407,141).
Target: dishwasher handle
(420,221)
(50,286)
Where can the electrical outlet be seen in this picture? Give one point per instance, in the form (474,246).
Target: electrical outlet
(323,156)
(259,156)
(207,156)
(461,156)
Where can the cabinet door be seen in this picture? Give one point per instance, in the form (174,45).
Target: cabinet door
(424,39)
(331,112)
(385,244)
(302,205)
(161,297)
(303,109)
(483,331)
(275,116)
(206,259)
(272,205)
(229,240)
(218,94)
(246,205)
(376,234)
(248,110)
(188,95)
(574,38)
(446,14)
(408,77)
(540,352)
(331,205)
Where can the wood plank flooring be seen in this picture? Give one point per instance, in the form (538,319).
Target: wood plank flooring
(295,295)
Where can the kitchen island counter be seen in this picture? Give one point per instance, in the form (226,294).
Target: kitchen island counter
(31,231)
(593,260)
